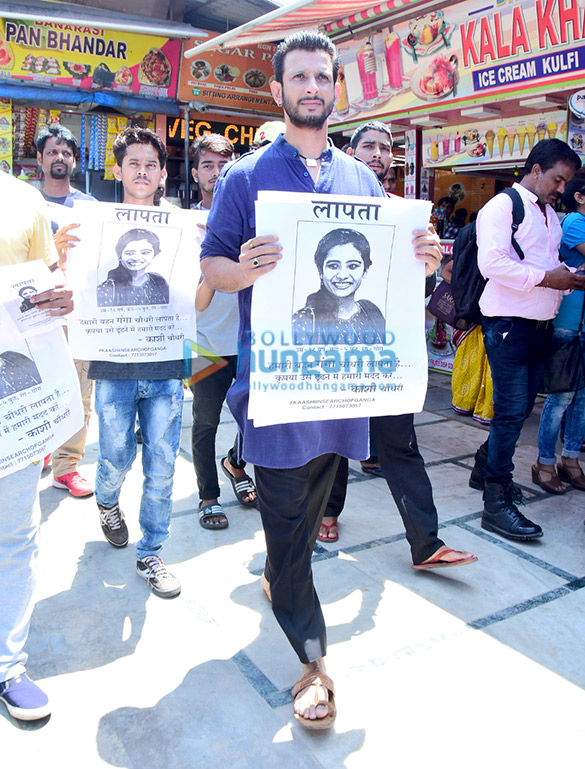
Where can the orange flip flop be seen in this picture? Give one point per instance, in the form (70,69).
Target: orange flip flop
(437,561)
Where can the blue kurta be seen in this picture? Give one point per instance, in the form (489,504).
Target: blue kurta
(232,222)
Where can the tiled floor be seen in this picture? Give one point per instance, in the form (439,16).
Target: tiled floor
(478,666)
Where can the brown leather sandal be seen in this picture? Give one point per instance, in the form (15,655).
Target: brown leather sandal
(571,473)
(546,477)
(317,678)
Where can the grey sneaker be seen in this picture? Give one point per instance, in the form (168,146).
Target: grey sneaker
(163,583)
(113,525)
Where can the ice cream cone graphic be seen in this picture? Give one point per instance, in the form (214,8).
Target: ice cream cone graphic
(489,138)
(531,133)
(521,137)
(502,133)
(511,140)
(552,130)
(540,131)
(563,129)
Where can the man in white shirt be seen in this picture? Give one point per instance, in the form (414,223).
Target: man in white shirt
(518,303)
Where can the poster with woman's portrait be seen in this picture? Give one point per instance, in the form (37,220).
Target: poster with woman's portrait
(340,297)
(134,273)
(40,401)
(20,283)
(338,325)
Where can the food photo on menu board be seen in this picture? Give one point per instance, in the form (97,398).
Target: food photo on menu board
(414,58)
(89,57)
(460,53)
(229,75)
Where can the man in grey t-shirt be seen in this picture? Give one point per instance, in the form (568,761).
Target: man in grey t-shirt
(218,319)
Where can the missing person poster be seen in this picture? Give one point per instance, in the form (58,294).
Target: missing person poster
(20,283)
(338,326)
(134,275)
(40,400)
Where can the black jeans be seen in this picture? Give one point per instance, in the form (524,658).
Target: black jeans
(409,484)
(292,502)
(208,398)
(516,347)
(407,479)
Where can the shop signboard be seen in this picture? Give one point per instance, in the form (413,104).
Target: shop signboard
(450,56)
(485,141)
(238,78)
(240,134)
(88,57)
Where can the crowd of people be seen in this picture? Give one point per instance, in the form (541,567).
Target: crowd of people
(301,469)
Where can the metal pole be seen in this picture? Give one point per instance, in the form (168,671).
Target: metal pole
(186,114)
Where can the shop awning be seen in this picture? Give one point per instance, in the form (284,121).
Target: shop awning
(120,102)
(328,15)
(69,13)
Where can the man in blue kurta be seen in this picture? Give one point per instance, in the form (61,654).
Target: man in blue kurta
(295,463)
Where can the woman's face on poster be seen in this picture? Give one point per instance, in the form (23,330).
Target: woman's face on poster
(343,270)
(137,255)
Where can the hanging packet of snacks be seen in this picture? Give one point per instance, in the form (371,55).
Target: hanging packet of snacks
(33,116)
(6,135)
(97,141)
(115,126)
(82,146)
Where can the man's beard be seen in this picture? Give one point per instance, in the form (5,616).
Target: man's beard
(306,121)
(58,171)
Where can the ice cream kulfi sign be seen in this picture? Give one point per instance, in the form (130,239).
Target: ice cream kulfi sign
(491,141)
(88,57)
(462,52)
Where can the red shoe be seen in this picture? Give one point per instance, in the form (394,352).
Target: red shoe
(76,485)
(47,461)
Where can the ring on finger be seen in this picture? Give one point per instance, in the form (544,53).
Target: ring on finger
(255,262)
(248,244)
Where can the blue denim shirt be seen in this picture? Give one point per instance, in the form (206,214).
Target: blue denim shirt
(232,222)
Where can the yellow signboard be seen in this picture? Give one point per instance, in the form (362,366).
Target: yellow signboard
(88,57)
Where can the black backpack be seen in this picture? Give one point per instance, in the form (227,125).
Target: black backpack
(467,282)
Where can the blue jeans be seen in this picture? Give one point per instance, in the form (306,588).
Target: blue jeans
(159,405)
(20,519)
(556,404)
(515,348)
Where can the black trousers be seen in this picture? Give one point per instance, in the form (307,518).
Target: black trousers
(407,479)
(208,397)
(409,484)
(292,502)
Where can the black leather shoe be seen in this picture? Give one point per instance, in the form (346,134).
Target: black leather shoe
(501,516)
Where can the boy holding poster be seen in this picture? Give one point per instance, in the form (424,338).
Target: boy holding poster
(295,463)
(153,390)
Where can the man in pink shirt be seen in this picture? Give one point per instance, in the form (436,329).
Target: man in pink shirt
(520,300)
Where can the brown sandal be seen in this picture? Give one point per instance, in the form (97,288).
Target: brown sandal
(546,477)
(316,678)
(571,473)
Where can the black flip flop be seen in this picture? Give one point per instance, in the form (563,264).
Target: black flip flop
(209,511)
(241,486)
